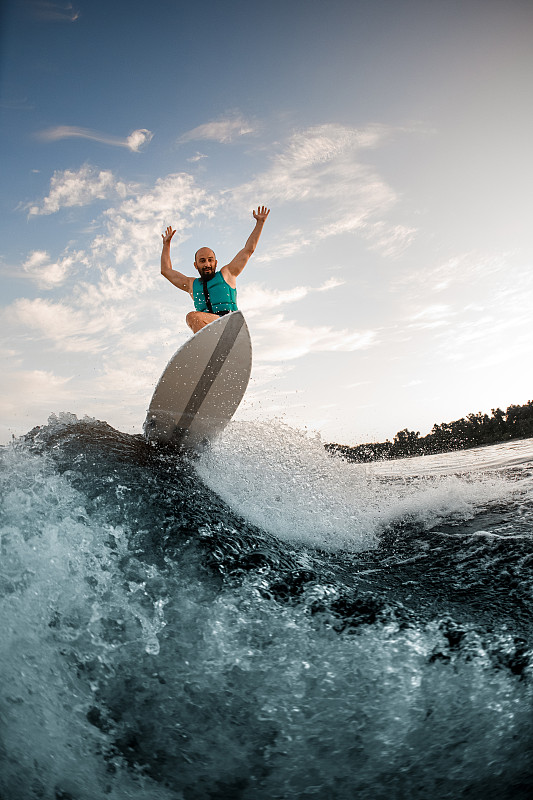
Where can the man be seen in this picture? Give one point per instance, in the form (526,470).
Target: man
(214,293)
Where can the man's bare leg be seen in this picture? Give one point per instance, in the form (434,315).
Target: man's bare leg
(196,320)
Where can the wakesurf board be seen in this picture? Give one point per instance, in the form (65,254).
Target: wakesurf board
(202,385)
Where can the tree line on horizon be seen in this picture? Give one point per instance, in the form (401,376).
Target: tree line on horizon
(470,431)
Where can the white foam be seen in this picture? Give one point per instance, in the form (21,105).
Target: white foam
(59,583)
(284,481)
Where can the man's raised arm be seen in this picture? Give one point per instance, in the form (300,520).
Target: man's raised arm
(235,267)
(175,277)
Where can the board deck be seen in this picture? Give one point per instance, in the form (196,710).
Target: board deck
(202,385)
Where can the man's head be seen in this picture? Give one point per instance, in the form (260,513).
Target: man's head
(205,262)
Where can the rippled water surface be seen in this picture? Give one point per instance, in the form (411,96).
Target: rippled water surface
(266,621)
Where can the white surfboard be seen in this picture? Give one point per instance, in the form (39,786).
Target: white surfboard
(202,385)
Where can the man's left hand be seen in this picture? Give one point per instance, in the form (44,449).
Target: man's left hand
(261,214)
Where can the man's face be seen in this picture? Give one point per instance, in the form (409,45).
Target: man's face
(206,262)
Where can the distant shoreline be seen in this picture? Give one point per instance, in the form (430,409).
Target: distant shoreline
(474,430)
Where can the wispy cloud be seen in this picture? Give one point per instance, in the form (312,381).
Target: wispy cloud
(79,188)
(278,339)
(54,12)
(483,317)
(20,104)
(463,268)
(324,163)
(223,131)
(389,240)
(123,304)
(42,391)
(357,384)
(125,319)
(434,316)
(65,326)
(134,142)
(45,272)
(318,162)
(294,241)
(132,225)
(196,157)
(255,297)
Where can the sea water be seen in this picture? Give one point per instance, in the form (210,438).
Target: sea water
(265,621)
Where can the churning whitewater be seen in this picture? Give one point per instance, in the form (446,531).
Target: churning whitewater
(266,621)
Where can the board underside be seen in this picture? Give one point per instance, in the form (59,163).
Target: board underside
(202,385)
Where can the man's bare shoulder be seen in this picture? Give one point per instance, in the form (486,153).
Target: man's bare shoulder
(179,280)
(228,277)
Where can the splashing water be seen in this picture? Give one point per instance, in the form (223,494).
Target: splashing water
(285,482)
(269,622)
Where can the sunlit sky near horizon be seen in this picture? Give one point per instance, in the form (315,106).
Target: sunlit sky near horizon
(393,283)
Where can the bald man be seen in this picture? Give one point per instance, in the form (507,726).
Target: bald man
(214,293)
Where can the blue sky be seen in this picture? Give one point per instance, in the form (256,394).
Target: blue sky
(393,283)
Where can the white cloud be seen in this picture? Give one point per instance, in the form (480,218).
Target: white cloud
(129,309)
(331,283)
(137,139)
(134,142)
(81,187)
(319,161)
(254,296)
(126,320)
(133,228)
(357,384)
(277,339)
(128,375)
(434,316)
(432,312)
(345,224)
(65,325)
(473,268)
(295,241)
(223,131)
(48,274)
(323,163)
(38,388)
(389,240)
(196,157)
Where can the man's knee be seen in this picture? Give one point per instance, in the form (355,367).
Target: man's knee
(198,319)
(193,320)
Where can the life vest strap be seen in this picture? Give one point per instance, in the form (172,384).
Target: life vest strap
(206,295)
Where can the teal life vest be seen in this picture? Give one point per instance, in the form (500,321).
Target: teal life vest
(223,297)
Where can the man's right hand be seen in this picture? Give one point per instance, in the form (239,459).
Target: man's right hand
(167,235)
